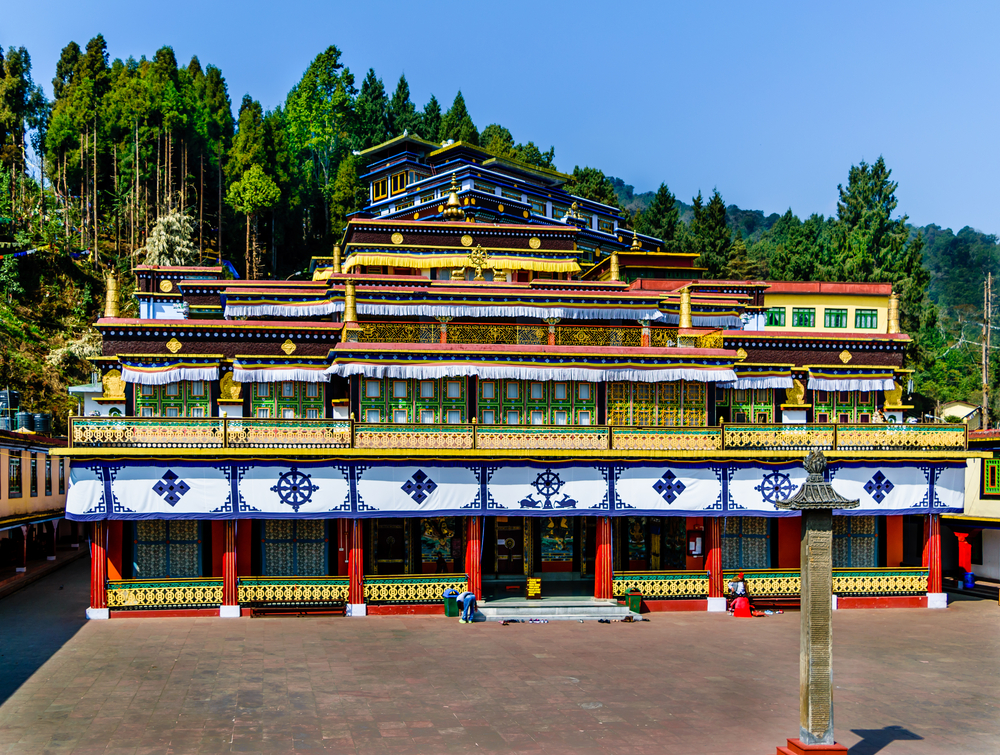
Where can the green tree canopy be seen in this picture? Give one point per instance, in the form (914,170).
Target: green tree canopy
(661,218)
(403,115)
(592,184)
(372,112)
(457,123)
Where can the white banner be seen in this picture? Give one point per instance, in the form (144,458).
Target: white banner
(548,488)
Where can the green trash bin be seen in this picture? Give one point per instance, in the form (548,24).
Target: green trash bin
(635,601)
(451,604)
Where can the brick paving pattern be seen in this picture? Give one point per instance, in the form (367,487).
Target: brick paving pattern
(908,681)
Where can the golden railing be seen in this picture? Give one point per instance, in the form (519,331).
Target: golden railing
(291,590)
(596,335)
(413,436)
(193,592)
(147,432)
(254,432)
(866,581)
(579,437)
(661,585)
(902,437)
(779,437)
(412,588)
(666,438)
(521,334)
(263,433)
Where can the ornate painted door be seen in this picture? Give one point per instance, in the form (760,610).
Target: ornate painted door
(510,545)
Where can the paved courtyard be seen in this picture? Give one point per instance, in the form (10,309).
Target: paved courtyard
(908,681)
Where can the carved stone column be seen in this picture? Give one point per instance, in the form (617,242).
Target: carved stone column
(816,499)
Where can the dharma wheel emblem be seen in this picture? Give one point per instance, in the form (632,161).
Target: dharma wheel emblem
(397,238)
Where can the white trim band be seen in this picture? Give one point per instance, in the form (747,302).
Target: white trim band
(759,382)
(853,384)
(514,372)
(474,310)
(170,376)
(241,375)
(240,311)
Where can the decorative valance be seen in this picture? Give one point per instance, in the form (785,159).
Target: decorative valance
(761,376)
(562,365)
(156,369)
(271,369)
(549,263)
(266,308)
(705,315)
(469,302)
(847,378)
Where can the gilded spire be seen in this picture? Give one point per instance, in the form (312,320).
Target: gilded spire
(636,244)
(111,298)
(453,210)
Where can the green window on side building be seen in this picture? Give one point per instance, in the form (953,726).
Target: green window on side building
(775,317)
(834,318)
(866,319)
(803,317)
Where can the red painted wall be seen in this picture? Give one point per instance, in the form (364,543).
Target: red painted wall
(893,541)
(115,550)
(218,546)
(243,548)
(695,563)
(789,542)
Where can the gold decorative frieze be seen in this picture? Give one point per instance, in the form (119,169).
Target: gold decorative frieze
(466,240)
(534,242)
(661,585)
(173,346)
(412,588)
(397,238)
(164,593)
(292,590)
(288,347)
(537,438)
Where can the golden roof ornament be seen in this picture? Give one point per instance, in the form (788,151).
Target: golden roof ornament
(636,244)
(453,209)
(336,259)
(479,260)
(111,298)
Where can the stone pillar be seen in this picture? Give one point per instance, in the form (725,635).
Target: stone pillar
(230,607)
(936,596)
(713,563)
(474,555)
(98,570)
(355,570)
(603,571)
(50,545)
(816,644)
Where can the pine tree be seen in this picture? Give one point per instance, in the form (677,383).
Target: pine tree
(661,218)
(65,68)
(457,123)
(498,140)
(403,115)
(249,145)
(592,184)
(347,195)
(714,236)
(170,242)
(430,120)
(372,112)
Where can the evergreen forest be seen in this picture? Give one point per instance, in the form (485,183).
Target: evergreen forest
(148,162)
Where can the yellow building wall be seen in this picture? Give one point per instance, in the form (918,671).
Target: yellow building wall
(820,302)
(28,504)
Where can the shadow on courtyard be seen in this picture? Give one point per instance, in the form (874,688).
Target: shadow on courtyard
(37,621)
(875,740)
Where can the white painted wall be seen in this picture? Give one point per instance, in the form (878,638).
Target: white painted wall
(991,556)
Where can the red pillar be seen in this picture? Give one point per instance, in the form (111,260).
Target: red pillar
(603,571)
(21,551)
(473,555)
(713,560)
(932,552)
(964,550)
(98,570)
(50,546)
(230,593)
(355,568)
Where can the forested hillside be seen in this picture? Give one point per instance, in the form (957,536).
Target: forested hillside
(147,160)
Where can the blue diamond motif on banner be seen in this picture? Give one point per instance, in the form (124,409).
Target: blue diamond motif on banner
(669,487)
(878,487)
(171,488)
(419,486)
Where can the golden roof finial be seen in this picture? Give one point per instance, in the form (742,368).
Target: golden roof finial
(636,244)
(453,210)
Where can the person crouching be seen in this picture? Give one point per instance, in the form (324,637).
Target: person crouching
(468,602)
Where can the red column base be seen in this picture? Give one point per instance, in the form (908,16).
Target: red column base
(795,747)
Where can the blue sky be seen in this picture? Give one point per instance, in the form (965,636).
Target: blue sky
(769,102)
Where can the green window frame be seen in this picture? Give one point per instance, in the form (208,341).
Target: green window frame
(866,319)
(62,477)
(834,318)
(775,317)
(15,478)
(33,482)
(48,475)
(803,317)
